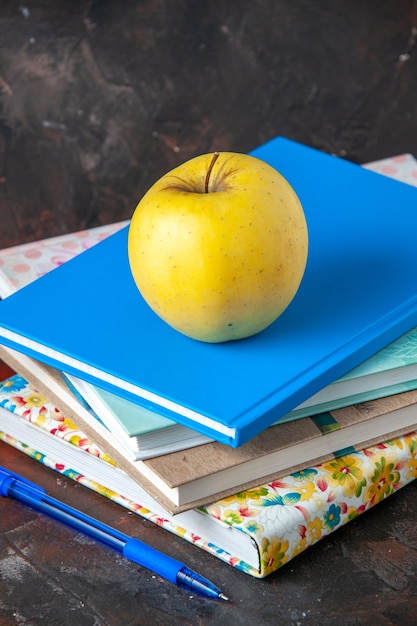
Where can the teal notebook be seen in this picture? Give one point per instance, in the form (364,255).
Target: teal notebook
(357,295)
(143,433)
(390,371)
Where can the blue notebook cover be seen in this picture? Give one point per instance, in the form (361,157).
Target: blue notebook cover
(358,294)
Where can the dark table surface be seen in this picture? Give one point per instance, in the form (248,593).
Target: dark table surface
(97,100)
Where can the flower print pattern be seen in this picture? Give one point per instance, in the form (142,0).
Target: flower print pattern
(36,408)
(383,480)
(309,473)
(12,384)
(299,545)
(331,518)
(254,527)
(411,468)
(306,506)
(24,263)
(283,517)
(243,496)
(346,472)
(314,530)
(34,400)
(274,553)
(231,517)
(306,490)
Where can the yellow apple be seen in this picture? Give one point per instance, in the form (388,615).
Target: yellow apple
(218,246)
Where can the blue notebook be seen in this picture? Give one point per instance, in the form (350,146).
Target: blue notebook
(358,294)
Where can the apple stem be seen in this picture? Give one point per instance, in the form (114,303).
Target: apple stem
(209,171)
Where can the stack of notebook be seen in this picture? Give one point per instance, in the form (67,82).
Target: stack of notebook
(258,434)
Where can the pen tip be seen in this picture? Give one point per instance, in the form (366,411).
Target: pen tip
(223,597)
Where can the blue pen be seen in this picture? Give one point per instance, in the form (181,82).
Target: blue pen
(17,487)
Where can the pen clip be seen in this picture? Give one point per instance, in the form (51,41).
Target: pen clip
(7,477)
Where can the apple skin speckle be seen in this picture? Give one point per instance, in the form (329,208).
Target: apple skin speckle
(221,265)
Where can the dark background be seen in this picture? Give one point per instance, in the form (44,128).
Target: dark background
(99,98)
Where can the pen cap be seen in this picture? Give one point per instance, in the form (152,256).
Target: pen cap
(5,482)
(7,478)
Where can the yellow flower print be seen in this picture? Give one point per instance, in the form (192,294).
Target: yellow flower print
(346,472)
(181,532)
(411,467)
(384,479)
(104,491)
(353,511)
(411,470)
(75,440)
(273,554)
(101,455)
(313,532)
(232,517)
(67,422)
(411,442)
(306,490)
(243,496)
(41,420)
(137,508)
(299,546)
(35,400)
(397,443)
